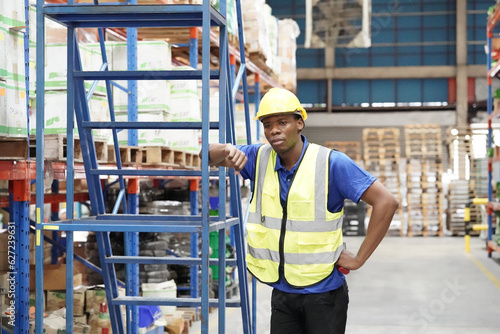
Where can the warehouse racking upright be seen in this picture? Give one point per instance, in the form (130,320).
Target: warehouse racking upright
(131,15)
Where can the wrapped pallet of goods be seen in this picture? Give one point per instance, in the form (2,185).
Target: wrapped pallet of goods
(153,96)
(184,106)
(273,60)
(13,112)
(56,93)
(288,32)
(256,39)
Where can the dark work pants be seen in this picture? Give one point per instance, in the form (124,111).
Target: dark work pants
(319,313)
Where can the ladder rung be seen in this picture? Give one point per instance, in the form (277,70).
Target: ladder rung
(188,261)
(121,226)
(149,172)
(143,75)
(121,16)
(142,223)
(156,218)
(132,300)
(148,125)
(214,223)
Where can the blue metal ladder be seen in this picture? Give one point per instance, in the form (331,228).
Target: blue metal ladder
(113,15)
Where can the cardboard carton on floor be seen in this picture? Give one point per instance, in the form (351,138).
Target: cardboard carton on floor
(175,324)
(55,324)
(57,300)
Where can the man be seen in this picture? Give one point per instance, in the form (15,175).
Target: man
(294,228)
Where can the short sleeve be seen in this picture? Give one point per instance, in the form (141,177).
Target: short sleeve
(248,172)
(347,181)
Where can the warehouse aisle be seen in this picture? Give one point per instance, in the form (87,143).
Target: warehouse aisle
(410,285)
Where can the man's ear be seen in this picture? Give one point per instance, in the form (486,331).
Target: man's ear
(300,124)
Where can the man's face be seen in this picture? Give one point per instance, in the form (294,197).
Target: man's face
(282,131)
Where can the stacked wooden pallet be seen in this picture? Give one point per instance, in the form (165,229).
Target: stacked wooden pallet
(163,156)
(478,181)
(424,171)
(459,141)
(351,148)
(459,195)
(381,154)
(55,146)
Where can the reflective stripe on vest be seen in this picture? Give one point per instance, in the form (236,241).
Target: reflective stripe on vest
(313,235)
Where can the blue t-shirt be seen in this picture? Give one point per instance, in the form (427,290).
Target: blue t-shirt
(347,181)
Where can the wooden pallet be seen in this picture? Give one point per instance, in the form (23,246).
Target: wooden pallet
(13,148)
(166,156)
(56,148)
(129,155)
(351,148)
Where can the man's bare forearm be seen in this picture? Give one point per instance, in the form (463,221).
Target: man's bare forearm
(226,155)
(217,154)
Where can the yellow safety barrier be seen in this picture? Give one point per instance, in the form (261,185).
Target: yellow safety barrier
(474,227)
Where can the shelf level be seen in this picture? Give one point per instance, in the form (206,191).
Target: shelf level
(122,16)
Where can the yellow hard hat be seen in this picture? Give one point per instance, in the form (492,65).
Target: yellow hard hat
(278,101)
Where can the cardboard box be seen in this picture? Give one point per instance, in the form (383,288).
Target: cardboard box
(98,321)
(56,324)
(54,277)
(175,324)
(145,137)
(94,297)
(56,300)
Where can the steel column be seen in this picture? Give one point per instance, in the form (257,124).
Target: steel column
(19,255)
(40,135)
(132,249)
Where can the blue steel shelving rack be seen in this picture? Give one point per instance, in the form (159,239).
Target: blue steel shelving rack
(131,16)
(19,174)
(491,74)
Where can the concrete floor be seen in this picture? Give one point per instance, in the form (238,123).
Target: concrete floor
(409,285)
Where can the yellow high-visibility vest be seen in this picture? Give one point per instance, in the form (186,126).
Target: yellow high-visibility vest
(303,236)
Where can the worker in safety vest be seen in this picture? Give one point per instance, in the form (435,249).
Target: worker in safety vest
(294,228)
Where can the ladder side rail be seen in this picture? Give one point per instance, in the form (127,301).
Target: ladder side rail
(70,125)
(110,282)
(86,139)
(241,39)
(235,202)
(96,198)
(205,167)
(223,123)
(241,232)
(112,116)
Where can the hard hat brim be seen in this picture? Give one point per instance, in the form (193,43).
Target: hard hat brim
(295,112)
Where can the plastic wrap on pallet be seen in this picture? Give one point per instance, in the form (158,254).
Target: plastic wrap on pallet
(151,94)
(145,137)
(13,113)
(288,32)
(254,26)
(185,100)
(271,22)
(56,69)
(56,115)
(12,13)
